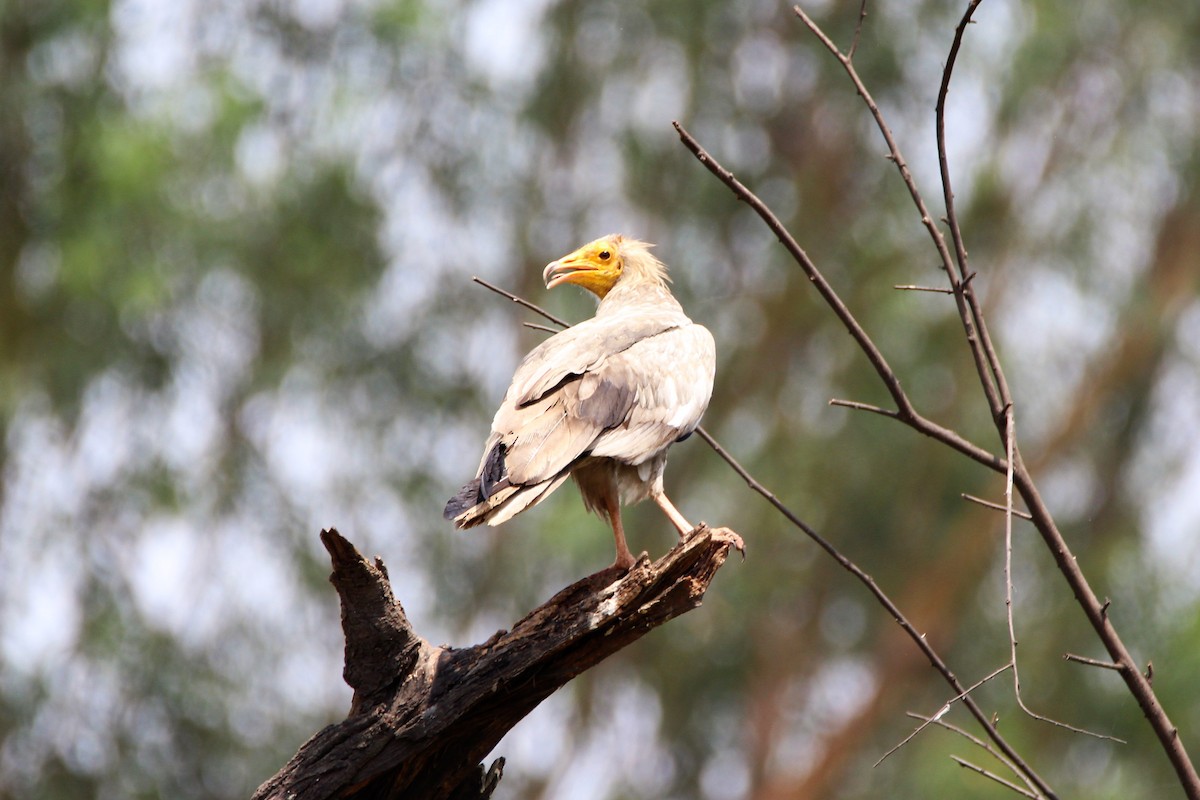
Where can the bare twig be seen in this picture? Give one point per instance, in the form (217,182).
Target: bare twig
(912,288)
(1008,581)
(521,301)
(994,383)
(886,374)
(918,639)
(998,396)
(533,326)
(993,776)
(945,709)
(857,406)
(994,506)
(905,410)
(981,744)
(1009,439)
(1092,662)
(939,241)
(862,17)
(986,361)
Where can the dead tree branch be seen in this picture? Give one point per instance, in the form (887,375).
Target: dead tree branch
(423,716)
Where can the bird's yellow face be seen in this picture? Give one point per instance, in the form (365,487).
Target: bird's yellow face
(595,266)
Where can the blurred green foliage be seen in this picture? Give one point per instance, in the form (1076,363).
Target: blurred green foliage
(235,307)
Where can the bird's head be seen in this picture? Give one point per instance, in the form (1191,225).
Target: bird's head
(598,265)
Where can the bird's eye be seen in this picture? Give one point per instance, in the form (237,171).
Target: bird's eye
(605,255)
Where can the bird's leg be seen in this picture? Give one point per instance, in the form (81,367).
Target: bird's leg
(682,525)
(612,509)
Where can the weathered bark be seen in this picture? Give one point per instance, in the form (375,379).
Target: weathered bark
(423,717)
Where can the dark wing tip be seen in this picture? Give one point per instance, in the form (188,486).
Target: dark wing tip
(493,473)
(492,478)
(467,497)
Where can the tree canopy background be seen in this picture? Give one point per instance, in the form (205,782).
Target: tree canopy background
(235,248)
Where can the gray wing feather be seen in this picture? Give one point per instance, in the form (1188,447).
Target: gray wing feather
(628,399)
(582,348)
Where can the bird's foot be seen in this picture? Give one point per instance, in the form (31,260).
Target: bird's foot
(720,535)
(623,563)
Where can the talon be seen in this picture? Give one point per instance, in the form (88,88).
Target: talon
(726,536)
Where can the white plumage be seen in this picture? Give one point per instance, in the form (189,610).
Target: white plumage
(602,401)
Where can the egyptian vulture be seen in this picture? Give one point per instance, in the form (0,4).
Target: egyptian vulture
(601,401)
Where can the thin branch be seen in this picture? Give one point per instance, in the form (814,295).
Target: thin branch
(906,412)
(945,709)
(993,776)
(960,249)
(862,17)
(1097,614)
(886,374)
(1092,662)
(1008,581)
(894,155)
(918,639)
(980,743)
(994,383)
(1009,444)
(995,506)
(533,326)
(908,287)
(521,301)
(857,406)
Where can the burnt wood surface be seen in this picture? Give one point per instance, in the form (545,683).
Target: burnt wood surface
(423,717)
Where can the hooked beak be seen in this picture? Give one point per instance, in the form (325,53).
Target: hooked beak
(560,271)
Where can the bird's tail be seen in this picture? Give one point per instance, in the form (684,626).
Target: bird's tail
(469,507)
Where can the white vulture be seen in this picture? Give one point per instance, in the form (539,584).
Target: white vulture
(601,401)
